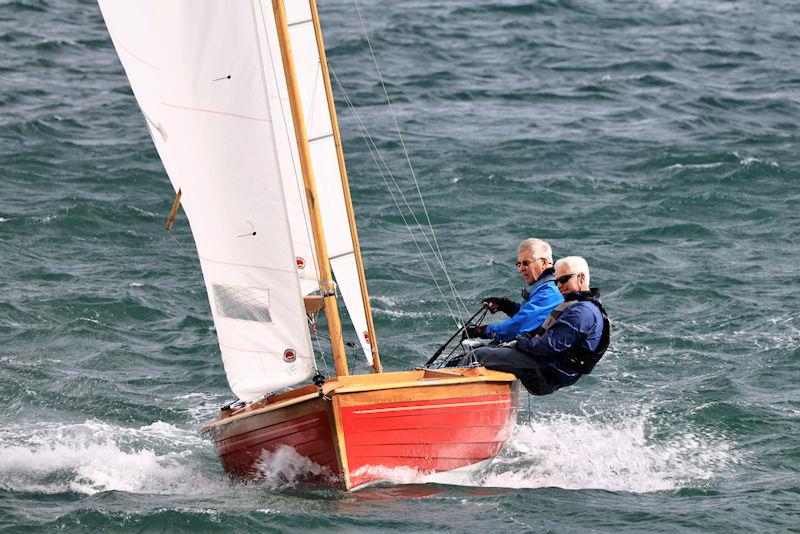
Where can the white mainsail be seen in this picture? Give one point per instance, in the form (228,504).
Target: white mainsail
(209,80)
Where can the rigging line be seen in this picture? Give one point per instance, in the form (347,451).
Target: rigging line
(373,149)
(402,143)
(453,315)
(368,138)
(385,165)
(183,251)
(297,176)
(312,100)
(319,348)
(456,297)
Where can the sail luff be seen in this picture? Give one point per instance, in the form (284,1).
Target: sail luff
(327,286)
(373,341)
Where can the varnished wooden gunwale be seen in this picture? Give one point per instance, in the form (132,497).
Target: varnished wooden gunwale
(354,383)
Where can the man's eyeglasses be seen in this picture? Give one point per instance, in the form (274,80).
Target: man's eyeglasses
(561,280)
(526,263)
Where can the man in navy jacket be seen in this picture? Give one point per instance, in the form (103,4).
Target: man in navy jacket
(539,296)
(569,343)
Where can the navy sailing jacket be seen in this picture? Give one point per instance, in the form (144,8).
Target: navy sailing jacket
(579,327)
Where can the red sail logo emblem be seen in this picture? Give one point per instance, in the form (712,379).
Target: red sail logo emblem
(289,356)
(301,263)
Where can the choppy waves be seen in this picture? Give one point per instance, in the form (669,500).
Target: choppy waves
(658,139)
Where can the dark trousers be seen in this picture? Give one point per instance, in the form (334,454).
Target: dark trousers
(537,377)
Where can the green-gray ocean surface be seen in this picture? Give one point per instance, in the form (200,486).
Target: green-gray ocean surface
(658,138)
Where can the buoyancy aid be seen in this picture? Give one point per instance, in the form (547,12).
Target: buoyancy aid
(577,357)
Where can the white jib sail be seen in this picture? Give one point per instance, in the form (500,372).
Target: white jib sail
(319,130)
(198,73)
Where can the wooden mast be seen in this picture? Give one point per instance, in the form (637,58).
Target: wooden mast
(326,284)
(373,342)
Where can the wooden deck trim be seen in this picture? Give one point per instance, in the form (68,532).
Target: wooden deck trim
(217,422)
(371,382)
(426,382)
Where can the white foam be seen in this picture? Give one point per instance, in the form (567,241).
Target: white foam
(286,468)
(96,456)
(393,475)
(464,476)
(613,453)
(694,166)
(402,314)
(143,212)
(616,452)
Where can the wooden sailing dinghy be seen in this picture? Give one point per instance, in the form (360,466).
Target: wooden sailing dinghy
(237,99)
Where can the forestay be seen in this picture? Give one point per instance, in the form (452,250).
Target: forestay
(208,78)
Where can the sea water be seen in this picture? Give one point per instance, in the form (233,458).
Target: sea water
(657,138)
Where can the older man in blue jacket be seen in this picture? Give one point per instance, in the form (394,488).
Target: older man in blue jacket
(539,296)
(569,343)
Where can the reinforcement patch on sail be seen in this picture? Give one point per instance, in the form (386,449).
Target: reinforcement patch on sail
(243,303)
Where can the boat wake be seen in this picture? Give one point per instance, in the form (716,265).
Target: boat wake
(620,452)
(95,456)
(623,452)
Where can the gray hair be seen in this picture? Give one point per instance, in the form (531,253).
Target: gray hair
(575,264)
(538,249)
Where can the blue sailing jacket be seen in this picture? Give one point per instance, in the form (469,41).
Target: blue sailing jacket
(531,313)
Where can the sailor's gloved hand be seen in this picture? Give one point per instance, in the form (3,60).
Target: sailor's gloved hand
(474,331)
(498,303)
(509,344)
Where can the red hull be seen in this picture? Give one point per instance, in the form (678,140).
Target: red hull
(431,436)
(425,426)
(308,435)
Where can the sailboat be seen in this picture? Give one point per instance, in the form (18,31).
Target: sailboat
(237,98)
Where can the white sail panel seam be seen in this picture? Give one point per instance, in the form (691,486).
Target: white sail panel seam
(342,255)
(253,266)
(128,51)
(320,137)
(298,23)
(252,351)
(215,112)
